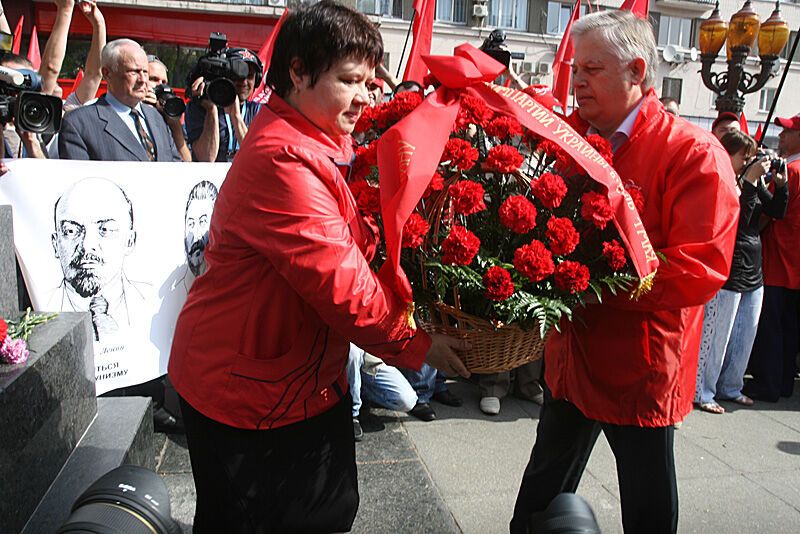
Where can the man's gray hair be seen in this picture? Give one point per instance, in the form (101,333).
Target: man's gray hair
(109,57)
(628,37)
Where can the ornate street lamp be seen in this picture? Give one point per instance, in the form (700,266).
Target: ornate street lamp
(741,34)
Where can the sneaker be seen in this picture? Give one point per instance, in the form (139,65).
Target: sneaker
(358,432)
(447,398)
(490,405)
(423,412)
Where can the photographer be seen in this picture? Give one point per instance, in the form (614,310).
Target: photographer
(157,73)
(731,317)
(215,133)
(19,144)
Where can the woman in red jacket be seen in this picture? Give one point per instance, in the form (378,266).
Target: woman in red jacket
(261,345)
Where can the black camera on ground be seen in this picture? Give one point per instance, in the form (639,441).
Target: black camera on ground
(172,104)
(219,71)
(22,102)
(129,499)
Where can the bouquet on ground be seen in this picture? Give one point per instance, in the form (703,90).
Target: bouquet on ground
(509,236)
(14,336)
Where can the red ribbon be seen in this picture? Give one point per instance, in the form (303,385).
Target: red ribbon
(410,151)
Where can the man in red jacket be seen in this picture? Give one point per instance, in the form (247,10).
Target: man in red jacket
(627,367)
(772,361)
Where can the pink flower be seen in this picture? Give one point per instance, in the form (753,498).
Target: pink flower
(14,351)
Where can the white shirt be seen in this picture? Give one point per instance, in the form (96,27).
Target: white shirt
(623,131)
(124,113)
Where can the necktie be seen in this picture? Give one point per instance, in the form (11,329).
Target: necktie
(144,137)
(102,322)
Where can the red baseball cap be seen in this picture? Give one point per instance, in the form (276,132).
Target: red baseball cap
(792,123)
(725,116)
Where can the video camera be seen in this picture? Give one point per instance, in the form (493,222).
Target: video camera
(494,47)
(219,71)
(172,104)
(22,102)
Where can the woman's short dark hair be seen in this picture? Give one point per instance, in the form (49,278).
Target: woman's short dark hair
(736,140)
(320,35)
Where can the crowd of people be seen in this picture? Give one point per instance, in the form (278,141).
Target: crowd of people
(722,213)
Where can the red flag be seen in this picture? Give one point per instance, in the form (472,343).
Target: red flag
(743,123)
(265,52)
(34,56)
(640,8)
(78,78)
(759,134)
(422,31)
(562,65)
(18,36)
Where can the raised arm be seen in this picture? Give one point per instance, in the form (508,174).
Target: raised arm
(4,27)
(56,46)
(92,76)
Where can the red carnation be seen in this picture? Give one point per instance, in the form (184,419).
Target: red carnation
(562,235)
(460,246)
(563,161)
(602,146)
(636,195)
(436,185)
(414,231)
(614,254)
(534,261)
(473,110)
(550,189)
(467,197)
(3,330)
(518,213)
(460,153)
(572,277)
(596,209)
(498,283)
(368,198)
(503,158)
(365,121)
(366,158)
(503,127)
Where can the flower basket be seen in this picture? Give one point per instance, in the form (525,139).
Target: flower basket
(495,347)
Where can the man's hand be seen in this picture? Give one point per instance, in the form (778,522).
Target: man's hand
(151,99)
(92,12)
(64,4)
(442,356)
(198,86)
(234,111)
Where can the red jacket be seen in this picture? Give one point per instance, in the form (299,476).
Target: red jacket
(779,239)
(634,362)
(263,338)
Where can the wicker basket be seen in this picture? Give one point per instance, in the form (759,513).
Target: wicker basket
(494,348)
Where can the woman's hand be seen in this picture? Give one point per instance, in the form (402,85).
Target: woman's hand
(442,355)
(780,179)
(756,170)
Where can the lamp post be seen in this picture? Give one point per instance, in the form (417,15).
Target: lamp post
(741,34)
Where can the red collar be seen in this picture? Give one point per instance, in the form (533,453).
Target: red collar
(339,149)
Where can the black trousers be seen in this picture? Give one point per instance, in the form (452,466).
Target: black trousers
(297,478)
(645,468)
(772,361)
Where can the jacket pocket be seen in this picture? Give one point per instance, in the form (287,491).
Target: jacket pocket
(304,353)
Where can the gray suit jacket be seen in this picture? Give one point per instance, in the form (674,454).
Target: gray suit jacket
(96,132)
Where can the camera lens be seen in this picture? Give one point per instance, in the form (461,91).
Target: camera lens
(35,114)
(174,106)
(128,499)
(222,92)
(38,113)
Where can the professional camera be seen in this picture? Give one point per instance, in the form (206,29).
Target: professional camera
(777,165)
(494,46)
(567,513)
(219,71)
(172,104)
(22,101)
(128,499)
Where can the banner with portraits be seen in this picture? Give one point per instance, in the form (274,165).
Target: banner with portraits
(121,240)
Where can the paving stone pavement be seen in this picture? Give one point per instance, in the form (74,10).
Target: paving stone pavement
(738,472)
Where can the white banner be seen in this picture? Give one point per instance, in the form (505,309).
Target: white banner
(121,240)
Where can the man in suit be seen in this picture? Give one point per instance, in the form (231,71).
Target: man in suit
(119,127)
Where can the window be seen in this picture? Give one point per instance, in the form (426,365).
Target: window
(672,87)
(788,47)
(451,11)
(675,31)
(389,8)
(509,14)
(765,99)
(558,17)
